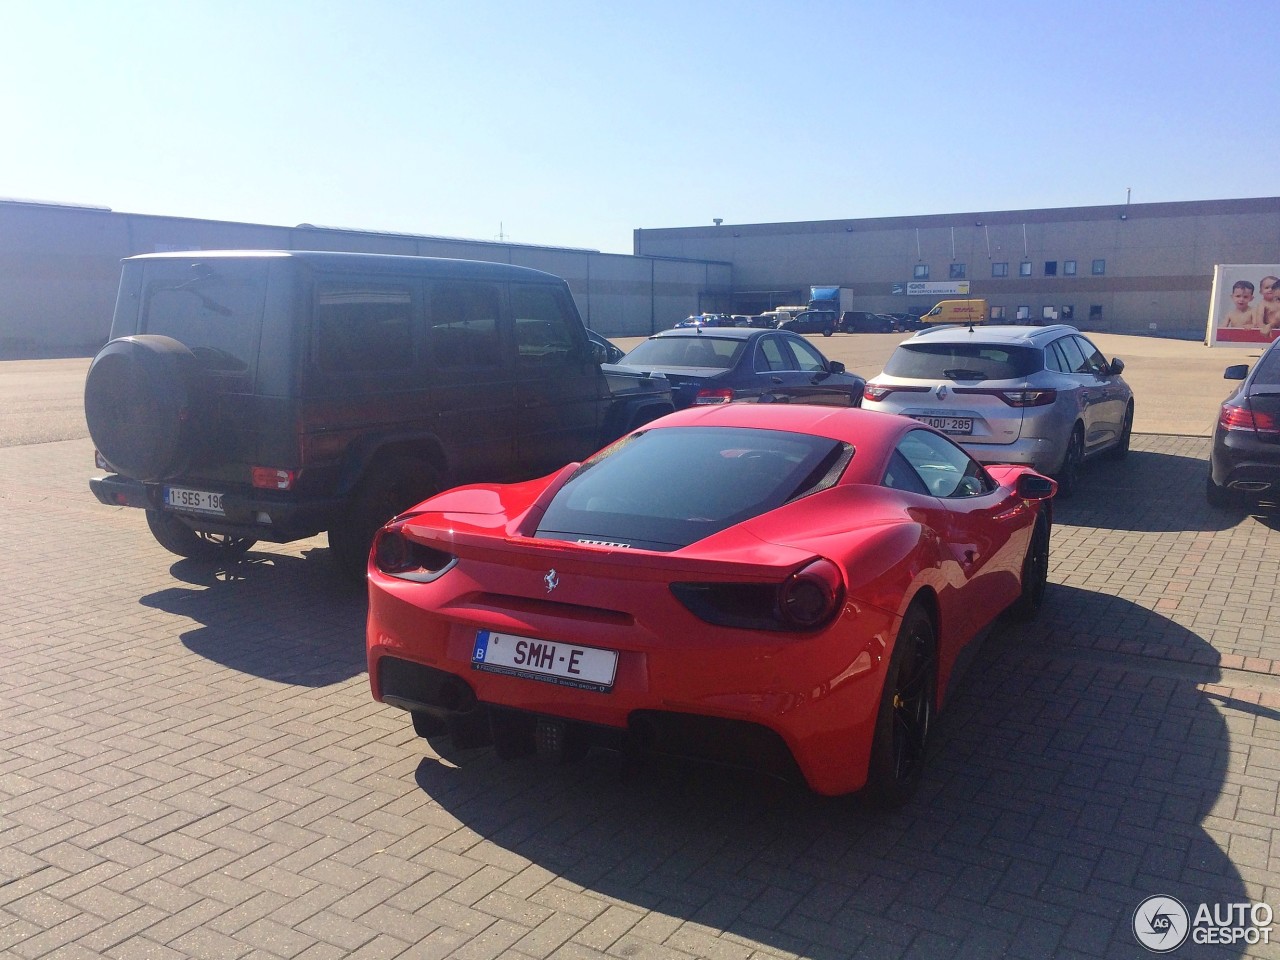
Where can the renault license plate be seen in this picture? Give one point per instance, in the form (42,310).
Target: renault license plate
(566,664)
(957,425)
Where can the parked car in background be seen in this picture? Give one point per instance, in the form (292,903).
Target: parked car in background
(1244,460)
(1043,396)
(717,366)
(811,321)
(763,320)
(786,588)
(860,321)
(706,320)
(612,352)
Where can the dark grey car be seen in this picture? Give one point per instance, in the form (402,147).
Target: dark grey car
(1244,462)
(724,364)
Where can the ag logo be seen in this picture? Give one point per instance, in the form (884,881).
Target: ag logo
(1161,924)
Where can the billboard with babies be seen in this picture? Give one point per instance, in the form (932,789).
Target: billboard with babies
(1244,308)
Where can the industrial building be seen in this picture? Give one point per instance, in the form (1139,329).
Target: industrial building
(1141,268)
(60,269)
(1128,268)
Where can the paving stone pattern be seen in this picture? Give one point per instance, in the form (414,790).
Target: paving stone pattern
(191,767)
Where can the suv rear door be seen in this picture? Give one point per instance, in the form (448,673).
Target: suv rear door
(560,390)
(473,378)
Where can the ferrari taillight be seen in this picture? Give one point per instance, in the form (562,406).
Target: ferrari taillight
(809,598)
(398,556)
(806,600)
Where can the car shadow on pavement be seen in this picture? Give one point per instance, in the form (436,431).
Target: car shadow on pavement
(1148,491)
(1066,786)
(274,616)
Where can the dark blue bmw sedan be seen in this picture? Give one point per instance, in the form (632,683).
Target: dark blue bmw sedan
(721,364)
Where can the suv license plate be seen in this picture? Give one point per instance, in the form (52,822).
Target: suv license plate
(959,425)
(566,664)
(199,501)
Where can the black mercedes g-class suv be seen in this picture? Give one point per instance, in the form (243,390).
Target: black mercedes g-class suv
(272,395)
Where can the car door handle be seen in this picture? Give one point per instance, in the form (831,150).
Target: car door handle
(776,379)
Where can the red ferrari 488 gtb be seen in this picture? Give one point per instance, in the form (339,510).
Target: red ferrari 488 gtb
(781,586)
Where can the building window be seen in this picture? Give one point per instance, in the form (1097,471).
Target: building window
(1048,314)
(922,271)
(997,314)
(1024,268)
(957,271)
(1068,268)
(1068,313)
(1099,267)
(1095,313)
(1024,313)
(1051,268)
(1000,269)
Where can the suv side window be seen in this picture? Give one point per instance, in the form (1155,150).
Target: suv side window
(943,466)
(543,331)
(462,324)
(807,358)
(363,327)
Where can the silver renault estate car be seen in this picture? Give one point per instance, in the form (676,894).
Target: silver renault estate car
(1043,396)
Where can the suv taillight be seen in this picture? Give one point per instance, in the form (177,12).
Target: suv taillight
(271,478)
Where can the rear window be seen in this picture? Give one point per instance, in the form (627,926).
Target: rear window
(667,488)
(699,351)
(963,361)
(1268,370)
(214,307)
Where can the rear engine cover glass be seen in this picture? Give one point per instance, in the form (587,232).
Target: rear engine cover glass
(667,488)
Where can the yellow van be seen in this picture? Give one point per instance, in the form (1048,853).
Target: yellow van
(957,311)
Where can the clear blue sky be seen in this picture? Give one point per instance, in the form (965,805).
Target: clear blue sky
(574,123)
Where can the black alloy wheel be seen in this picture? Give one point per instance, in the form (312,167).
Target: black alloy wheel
(1035,572)
(905,717)
(1068,475)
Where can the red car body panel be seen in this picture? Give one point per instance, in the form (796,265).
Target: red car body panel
(819,691)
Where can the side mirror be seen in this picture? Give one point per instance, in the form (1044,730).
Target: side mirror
(835,366)
(1116,368)
(598,353)
(1237,371)
(1032,486)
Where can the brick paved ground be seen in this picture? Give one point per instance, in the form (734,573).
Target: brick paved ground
(191,767)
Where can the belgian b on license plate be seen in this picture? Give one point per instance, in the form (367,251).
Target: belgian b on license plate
(566,664)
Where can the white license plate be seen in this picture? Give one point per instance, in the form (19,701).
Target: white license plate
(569,665)
(200,501)
(963,425)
